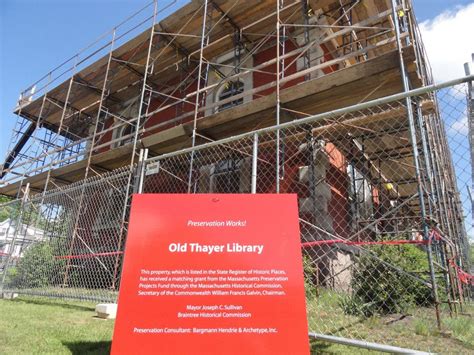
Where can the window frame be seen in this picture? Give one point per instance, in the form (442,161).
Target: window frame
(233,103)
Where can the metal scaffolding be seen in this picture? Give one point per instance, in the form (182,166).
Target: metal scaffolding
(340,106)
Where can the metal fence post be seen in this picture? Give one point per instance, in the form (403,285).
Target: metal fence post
(470,123)
(140,172)
(278,104)
(254,163)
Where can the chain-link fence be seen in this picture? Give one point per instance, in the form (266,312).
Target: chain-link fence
(384,191)
(67,242)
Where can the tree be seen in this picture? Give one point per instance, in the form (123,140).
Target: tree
(5,211)
(38,267)
(379,288)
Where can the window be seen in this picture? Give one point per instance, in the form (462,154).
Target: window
(229,89)
(123,134)
(128,129)
(361,197)
(226,176)
(233,87)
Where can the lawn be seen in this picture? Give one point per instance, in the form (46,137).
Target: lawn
(46,326)
(52,326)
(414,330)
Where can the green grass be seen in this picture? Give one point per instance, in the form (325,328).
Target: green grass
(462,329)
(83,294)
(422,327)
(320,347)
(415,330)
(51,326)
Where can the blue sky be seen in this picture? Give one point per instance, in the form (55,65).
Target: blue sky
(37,35)
(429,9)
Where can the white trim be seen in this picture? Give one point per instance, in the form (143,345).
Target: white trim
(130,112)
(118,133)
(213,94)
(316,53)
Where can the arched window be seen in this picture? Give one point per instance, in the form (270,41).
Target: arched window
(128,129)
(229,89)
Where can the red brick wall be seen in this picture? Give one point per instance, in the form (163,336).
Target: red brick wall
(337,178)
(166,114)
(260,79)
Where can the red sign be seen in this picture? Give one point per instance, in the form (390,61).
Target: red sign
(212,274)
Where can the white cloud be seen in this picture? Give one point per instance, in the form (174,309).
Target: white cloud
(449,41)
(460,126)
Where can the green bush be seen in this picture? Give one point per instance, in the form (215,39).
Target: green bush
(462,328)
(8,211)
(378,288)
(354,305)
(309,271)
(11,275)
(38,267)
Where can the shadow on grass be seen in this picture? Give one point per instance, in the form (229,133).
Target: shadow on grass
(58,303)
(88,347)
(319,347)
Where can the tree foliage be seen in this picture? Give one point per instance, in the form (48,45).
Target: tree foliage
(6,211)
(38,267)
(379,288)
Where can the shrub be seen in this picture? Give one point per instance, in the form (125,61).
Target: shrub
(378,288)
(38,267)
(11,275)
(355,306)
(8,211)
(309,271)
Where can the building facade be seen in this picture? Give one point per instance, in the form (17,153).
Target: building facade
(211,70)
